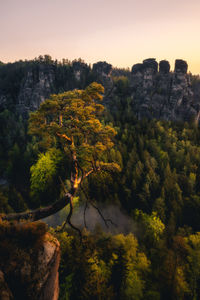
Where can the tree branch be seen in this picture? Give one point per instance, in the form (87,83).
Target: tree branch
(64,136)
(40,213)
(84,215)
(69,220)
(102,216)
(98,210)
(88,173)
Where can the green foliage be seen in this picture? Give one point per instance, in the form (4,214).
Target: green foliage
(103,267)
(4,206)
(159,183)
(122,85)
(151,227)
(20,249)
(44,171)
(193,266)
(25,235)
(72,119)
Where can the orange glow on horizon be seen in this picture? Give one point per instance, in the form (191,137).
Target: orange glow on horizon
(120,32)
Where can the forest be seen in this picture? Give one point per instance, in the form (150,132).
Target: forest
(149,170)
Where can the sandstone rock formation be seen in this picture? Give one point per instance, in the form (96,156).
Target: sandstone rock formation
(155,91)
(164,67)
(41,78)
(35,88)
(29,272)
(181,66)
(5,293)
(80,71)
(163,95)
(102,73)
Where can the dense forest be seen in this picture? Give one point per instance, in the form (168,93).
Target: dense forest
(157,188)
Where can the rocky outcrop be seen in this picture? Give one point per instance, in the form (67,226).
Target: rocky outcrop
(35,88)
(80,71)
(29,271)
(5,293)
(48,264)
(164,67)
(29,83)
(102,73)
(3,101)
(181,66)
(163,94)
(155,91)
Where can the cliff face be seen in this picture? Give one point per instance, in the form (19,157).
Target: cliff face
(34,90)
(29,271)
(102,72)
(155,91)
(25,85)
(163,94)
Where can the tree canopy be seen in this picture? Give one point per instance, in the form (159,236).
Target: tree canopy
(69,122)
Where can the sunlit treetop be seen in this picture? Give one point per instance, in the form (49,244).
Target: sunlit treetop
(71,123)
(72,119)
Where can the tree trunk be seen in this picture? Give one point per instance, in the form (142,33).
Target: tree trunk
(40,213)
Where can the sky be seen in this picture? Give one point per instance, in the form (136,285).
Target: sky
(120,32)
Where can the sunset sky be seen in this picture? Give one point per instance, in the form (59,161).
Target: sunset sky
(120,32)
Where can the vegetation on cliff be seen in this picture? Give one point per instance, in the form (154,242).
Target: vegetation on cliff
(158,188)
(67,125)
